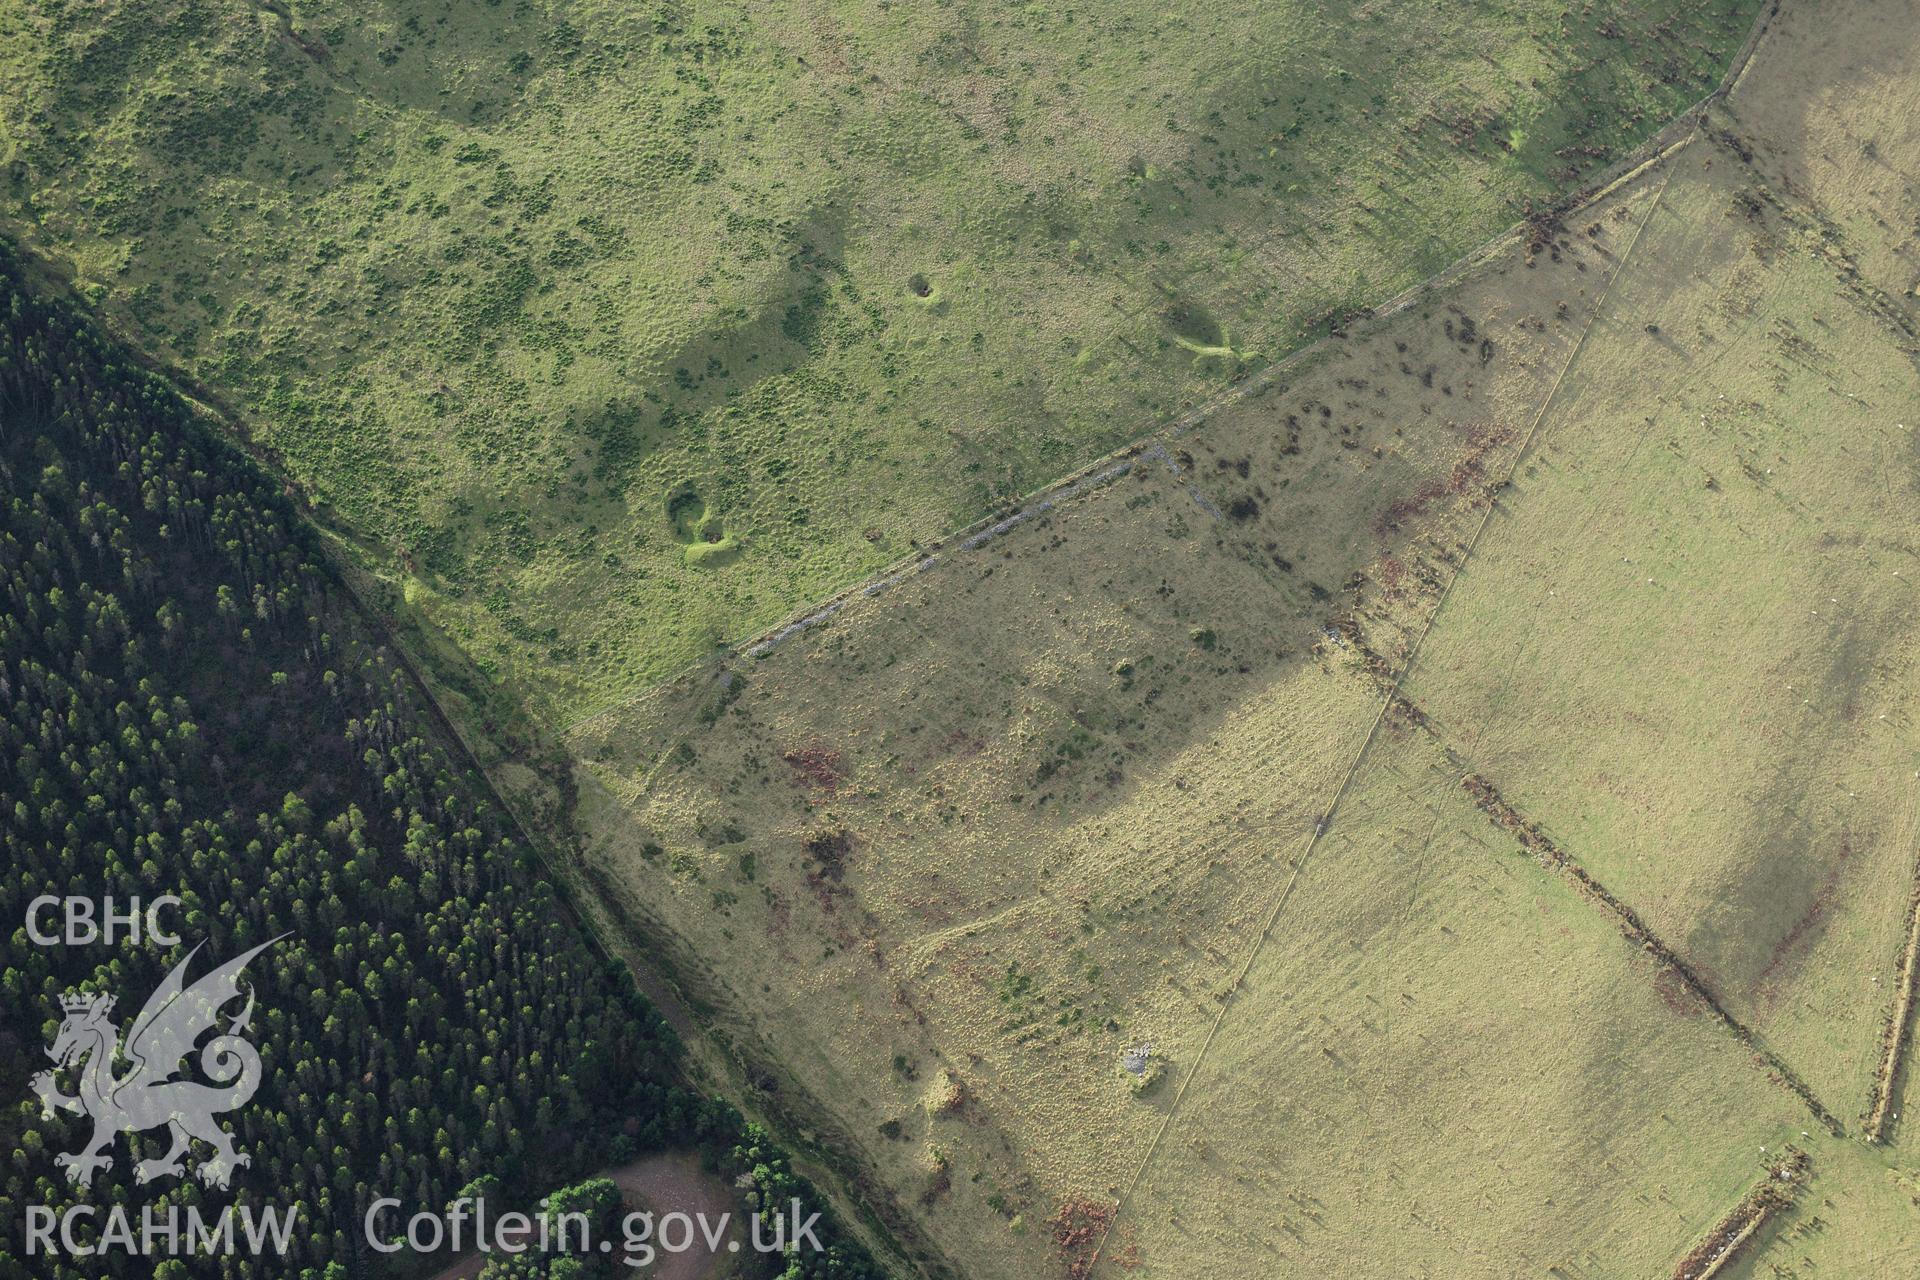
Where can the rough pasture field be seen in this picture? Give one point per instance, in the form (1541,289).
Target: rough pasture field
(1446,1063)
(1178,762)
(1683,651)
(1722,526)
(604,333)
(934,866)
(1708,566)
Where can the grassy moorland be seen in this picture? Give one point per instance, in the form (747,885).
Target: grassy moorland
(1017,814)
(1480,766)
(603,333)
(1471,777)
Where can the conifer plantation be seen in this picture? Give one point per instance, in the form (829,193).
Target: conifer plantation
(193,704)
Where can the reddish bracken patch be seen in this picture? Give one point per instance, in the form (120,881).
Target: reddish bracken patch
(828,851)
(816,765)
(1078,1228)
(963,745)
(1677,995)
(1390,571)
(827,865)
(1467,473)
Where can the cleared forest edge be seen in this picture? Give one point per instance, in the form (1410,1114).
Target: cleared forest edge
(668,1183)
(750,1074)
(1734,1232)
(717,1066)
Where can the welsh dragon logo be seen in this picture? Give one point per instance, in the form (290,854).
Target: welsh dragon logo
(148,1096)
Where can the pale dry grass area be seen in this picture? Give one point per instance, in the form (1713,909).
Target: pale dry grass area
(1687,646)
(1708,563)
(1445,1063)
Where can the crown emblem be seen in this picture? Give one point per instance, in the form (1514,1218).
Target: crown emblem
(86,1002)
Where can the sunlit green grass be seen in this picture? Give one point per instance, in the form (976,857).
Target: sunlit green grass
(494,280)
